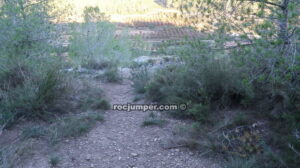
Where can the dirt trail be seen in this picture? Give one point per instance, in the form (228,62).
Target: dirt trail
(121,142)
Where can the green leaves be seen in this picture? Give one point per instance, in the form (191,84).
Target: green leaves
(31,78)
(200,112)
(93,14)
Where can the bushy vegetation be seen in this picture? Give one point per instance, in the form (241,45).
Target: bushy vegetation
(95,44)
(67,127)
(241,163)
(258,71)
(210,80)
(154,120)
(92,98)
(72,127)
(31,81)
(11,155)
(112,75)
(251,62)
(54,160)
(140,76)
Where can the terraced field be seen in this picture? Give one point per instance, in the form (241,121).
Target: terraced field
(155,28)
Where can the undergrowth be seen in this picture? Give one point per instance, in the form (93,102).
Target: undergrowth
(32,85)
(254,78)
(94,43)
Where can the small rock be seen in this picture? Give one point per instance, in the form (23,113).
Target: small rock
(92,166)
(191,153)
(88,157)
(134,154)
(177,150)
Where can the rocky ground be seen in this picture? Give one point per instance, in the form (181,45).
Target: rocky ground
(121,141)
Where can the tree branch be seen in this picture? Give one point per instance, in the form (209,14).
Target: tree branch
(267,2)
(293,31)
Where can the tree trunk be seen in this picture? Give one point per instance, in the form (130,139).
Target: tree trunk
(283,23)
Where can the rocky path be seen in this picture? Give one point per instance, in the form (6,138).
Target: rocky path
(121,142)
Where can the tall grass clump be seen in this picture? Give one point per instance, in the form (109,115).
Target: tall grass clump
(140,77)
(94,43)
(241,163)
(205,79)
(31,81)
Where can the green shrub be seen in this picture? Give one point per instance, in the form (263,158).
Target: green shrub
(93,99)
(93,14)
(98,65)
(33,132)
(112,75)
(72,126)
(200,112)
(54,160)
(274,77)
(211,83)
(35,97)
(153,120)
(138,97)
(12,154)
(258,77)
(140,77)
(161,87)
(241,163)
(32,84)
(101,104)
(94,42)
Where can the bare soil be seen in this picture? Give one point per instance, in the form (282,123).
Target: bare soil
(121,142)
